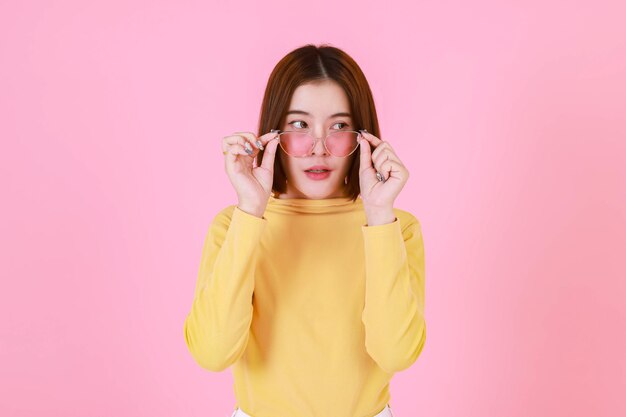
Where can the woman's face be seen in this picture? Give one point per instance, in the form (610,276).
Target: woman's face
(320,108)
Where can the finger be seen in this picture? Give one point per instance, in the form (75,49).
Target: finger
(390,168)
(246,142)
(377,162)
(381,157)
(371,138)
(385,170)
(379,154)
(365,154)
(266,137)
(251,138)
(259,142)
(233,151)
(382,147)
(239,140)
(269,155)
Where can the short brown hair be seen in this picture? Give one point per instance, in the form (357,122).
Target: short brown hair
(311,63)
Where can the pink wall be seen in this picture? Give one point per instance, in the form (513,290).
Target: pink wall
(510,117)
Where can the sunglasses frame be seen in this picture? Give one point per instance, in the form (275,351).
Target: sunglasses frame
(315,140)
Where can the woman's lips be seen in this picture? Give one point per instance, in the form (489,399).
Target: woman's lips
(317,175)
(318,167)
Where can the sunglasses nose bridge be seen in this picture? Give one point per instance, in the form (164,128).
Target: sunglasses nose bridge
(317,140)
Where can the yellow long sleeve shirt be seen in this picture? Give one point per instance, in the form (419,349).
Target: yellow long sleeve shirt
(314,309)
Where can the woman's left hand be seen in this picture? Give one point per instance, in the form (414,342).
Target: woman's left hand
(379,195)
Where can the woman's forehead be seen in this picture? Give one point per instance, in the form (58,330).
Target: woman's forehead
(320,100)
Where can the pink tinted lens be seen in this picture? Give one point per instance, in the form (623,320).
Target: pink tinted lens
(301,144)
(342,143)
(296,143)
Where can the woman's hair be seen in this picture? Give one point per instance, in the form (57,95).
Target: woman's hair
(307,64)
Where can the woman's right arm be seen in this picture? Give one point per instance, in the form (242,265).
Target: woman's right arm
(217,326)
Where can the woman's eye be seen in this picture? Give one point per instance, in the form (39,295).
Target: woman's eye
(298,121)
(300,124)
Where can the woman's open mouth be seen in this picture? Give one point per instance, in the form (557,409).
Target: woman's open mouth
(318,172)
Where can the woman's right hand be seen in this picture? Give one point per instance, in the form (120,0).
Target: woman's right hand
(252,184)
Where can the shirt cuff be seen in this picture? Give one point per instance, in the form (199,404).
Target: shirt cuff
(249,224)
(383,238)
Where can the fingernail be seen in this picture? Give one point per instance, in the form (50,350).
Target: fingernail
(259,144)
(247,148)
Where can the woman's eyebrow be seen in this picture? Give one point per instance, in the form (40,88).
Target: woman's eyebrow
(341,114)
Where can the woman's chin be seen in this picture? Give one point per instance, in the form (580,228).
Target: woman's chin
(320,191)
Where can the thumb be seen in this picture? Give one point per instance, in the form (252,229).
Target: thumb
(269,154)
(366,154)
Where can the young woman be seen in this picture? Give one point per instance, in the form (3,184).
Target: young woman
(312,286)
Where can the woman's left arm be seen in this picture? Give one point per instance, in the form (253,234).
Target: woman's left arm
(395,326)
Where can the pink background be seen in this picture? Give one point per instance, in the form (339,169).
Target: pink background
(511,118)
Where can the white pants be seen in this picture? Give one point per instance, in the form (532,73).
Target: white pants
(385,413)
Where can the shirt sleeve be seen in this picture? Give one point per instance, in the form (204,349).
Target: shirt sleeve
(217,326)
(393,315)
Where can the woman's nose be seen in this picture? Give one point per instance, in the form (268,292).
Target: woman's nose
(319,148)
